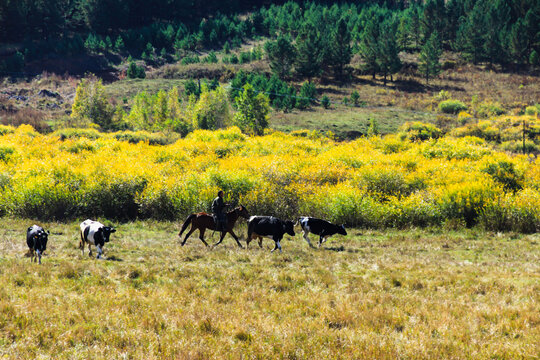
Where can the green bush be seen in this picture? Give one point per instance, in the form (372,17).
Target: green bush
(452,106)
(135,137)
(505,173)
(532,110)
(420,131)
(135,72)
(485,110)
(6,152)
(325,102)
(74,133)
(307,95)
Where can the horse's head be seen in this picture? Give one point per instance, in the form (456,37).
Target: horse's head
(242,211)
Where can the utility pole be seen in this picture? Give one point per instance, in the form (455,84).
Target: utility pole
(524,125)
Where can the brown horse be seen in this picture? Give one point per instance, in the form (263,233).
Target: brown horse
(203,221)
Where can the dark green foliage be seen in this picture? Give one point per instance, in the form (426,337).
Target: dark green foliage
(355,98)
(281,54)
(135,72)
(340,48)
(309,52)
(429,65)
(369,47)
(307,96)
(281,95)
(325,102)
(504,173)
(452,106)
(192,88)
(388,60)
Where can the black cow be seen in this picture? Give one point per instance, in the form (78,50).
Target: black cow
(268,226)
(319,227)
(94,233)
(36,239)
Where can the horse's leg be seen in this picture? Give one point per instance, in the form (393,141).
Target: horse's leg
(221,237)
(201,235)
(188,234)
(235,237)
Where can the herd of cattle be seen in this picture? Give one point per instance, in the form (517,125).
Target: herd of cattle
(96,234)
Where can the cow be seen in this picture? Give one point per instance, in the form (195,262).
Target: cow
(319,227)
(94,233)
(36,239)
(268,226)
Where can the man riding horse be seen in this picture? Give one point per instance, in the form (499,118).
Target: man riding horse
(218,210)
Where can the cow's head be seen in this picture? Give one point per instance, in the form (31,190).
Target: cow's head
(40,240)
(106,232)
(288,227)
(242,211)
(341,229)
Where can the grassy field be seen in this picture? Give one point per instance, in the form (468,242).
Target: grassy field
(348,122)
(391,294)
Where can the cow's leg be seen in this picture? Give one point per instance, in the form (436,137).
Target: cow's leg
(89,250)
(188,234)
(99,251)
(305,235)
(201,236)
(32,255)
(260,241)
(277,246)
(39,256)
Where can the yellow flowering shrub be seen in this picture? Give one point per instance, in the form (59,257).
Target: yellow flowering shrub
(375,182)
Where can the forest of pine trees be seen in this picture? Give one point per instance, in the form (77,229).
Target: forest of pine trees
(311,37)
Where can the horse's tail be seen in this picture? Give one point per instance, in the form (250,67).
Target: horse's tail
(186,223)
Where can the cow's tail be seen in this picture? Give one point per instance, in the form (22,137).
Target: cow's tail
(186,223)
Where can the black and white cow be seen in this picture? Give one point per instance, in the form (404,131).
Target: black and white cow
(270,227)
(319,227)
(94,233)
(36,239)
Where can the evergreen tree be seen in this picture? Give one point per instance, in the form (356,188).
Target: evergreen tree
(369,47)
(309,57)
(281,54)
(472,34)
(388,61)
(429,57)
(340,48)
(518,42)
(434,19)
(403,37)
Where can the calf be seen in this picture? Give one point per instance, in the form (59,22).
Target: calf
(268,226)
(36,239)
(319,227)
(94,233)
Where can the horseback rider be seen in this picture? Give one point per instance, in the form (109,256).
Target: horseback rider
(218,210)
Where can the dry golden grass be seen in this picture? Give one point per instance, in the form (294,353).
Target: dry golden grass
(384,295)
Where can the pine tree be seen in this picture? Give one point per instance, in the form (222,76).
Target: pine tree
(281,54)
(340,48)
(403,33)
(471,35)
(369,47)
(429,57)
(309,57)
(388,60)
(518,42)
